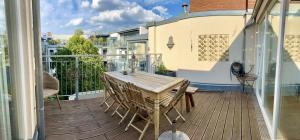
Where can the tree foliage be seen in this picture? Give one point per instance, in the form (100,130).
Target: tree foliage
(53,42)
(89,67)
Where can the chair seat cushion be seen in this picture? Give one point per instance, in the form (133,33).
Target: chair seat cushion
(50,92)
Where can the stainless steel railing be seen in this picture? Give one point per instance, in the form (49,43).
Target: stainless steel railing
(79,74)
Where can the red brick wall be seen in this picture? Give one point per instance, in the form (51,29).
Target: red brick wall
(211,5)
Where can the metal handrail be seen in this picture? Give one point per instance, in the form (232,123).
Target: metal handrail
(74,72)
(158,54)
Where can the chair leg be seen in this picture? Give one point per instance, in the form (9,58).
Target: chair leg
(58,101)
(179,114)
(104,102)
(145,129)
(116,110)
(123,118)
(129,124)
(109,106)
(167,117)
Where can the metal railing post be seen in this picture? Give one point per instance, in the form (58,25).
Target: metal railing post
(77,78)
(148,62)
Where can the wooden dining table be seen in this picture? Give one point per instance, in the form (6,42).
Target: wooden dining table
(153,86)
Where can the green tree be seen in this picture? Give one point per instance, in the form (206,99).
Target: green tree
(89,67)
(101,40)
(94,39)
(54,42)
(78,32)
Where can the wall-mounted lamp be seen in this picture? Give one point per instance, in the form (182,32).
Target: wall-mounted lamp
(170,42)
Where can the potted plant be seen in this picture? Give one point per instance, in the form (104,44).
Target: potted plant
(162,70)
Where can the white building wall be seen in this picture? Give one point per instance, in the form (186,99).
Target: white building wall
(183,57)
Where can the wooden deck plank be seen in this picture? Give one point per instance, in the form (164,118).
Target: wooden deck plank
(218,134)
(237,124)
(246,133)
(228,129)
(210,129)
(253,121)
(200,107)
(204,120)
(216,116)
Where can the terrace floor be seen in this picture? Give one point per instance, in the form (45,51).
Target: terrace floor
(216,116)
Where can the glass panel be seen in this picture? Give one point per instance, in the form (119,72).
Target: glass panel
(271,39)
(5,128)
(289,125)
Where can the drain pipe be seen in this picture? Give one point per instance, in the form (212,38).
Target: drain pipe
(244,33)
(38,69)
(244,40)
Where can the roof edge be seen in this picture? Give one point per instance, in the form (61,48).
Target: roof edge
(200,14)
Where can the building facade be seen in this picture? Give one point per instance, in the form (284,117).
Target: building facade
(212,5)
(207,40)
(265,38)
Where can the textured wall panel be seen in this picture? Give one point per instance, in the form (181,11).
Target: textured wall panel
(292,48)
(213,47)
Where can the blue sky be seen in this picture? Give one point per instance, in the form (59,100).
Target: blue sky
(104,16)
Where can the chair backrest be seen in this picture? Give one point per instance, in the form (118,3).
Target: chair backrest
(180,92)
(135,95)
(106,85)
(50,82)
(117,90)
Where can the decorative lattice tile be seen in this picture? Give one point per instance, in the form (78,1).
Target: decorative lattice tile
(213,47)
(291,48)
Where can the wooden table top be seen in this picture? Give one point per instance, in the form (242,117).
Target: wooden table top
(151,82)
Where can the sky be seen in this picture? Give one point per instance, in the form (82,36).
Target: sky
(104,16)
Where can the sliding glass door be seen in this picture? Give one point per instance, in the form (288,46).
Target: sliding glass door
(289,122)
(270,54)
(281,109)
(267,38)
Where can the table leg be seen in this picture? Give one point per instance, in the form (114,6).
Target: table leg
(187,103)
(192,100)
(156,118)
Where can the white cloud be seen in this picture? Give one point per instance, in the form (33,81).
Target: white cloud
(75,22)
(153,2)
(85,4)
(95,3)
(108,16)
(99,15)
(102,5)
(134,14)
(162,10)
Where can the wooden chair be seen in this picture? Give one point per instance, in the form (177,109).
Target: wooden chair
(121,100)
(171,102)
(110,95)
(51,87)
(136,97)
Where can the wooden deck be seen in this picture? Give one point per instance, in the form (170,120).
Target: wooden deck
(217,116)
